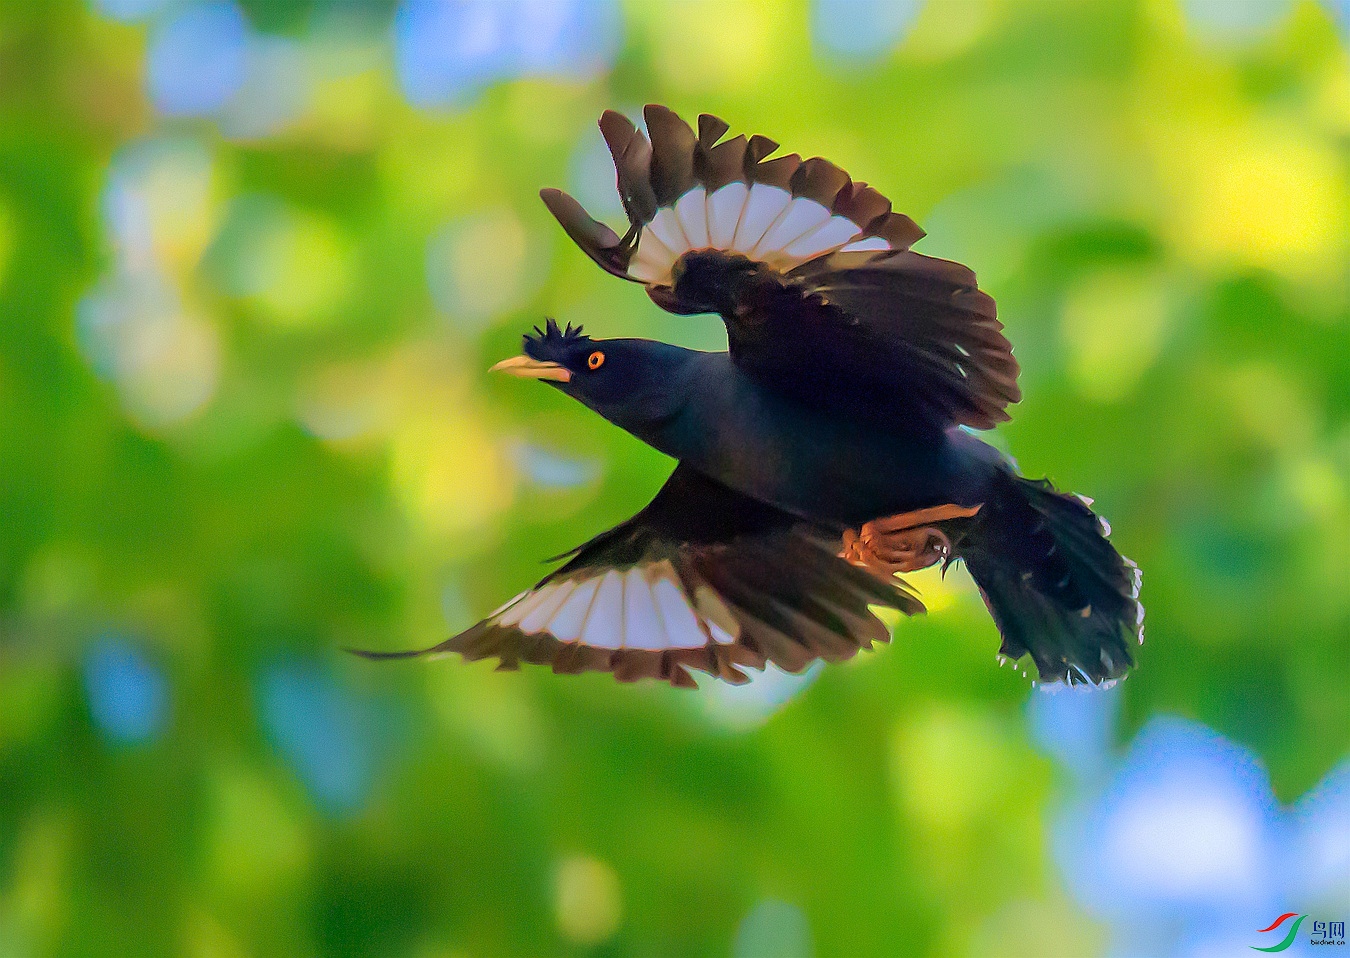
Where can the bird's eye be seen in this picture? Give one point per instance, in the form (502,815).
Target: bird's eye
(595,360)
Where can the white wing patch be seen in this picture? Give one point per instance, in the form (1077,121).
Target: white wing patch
(568,621)
(542,612)
(645,608)
(829,236)
(604,623)
(665,226)
(765,223)
(681,624)
(521,607)
(691,210)
(653,261)
(763,206)
(724,213)
(800,216)
(642,626)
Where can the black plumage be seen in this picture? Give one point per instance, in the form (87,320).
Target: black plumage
(827,450)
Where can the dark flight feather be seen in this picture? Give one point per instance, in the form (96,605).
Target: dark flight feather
(756,585)
(1055,585)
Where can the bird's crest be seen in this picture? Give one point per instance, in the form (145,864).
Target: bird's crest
(553,338)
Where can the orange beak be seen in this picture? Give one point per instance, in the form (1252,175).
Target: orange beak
(527,368)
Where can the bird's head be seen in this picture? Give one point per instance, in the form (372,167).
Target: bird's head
(631,382)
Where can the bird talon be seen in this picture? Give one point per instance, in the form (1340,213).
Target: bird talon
(906,542)
(905,551)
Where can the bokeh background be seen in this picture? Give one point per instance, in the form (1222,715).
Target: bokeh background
(255,258)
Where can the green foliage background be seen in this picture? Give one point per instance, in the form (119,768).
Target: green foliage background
(1165,224)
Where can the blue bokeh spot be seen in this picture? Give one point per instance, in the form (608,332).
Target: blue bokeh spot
(1340,9)
(862,29)
(1236,18)
(198,60)
(447,50)
(325,731)
(1180,845)
(551,470)
(128,694)
(1075,725)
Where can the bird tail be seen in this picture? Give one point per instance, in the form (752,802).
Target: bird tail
(1055,585)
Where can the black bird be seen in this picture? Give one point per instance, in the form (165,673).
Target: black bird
(827,450)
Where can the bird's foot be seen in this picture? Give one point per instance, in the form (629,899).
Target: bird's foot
(903,543)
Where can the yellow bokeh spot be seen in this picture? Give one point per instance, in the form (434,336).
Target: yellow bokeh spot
(715,44)
(588,900)
(938,590)
(486,262)
(944,30)
(205,937)
(1270,406)
(432,167)
(549,112)
(346,109)
(256,845)
(1113,323)
(172,370)
(449,475)
(347,402)
(1332,102)
(1316,488)
(1263,193)
(307,262)
(950,768)
(1032,928)
(177,195)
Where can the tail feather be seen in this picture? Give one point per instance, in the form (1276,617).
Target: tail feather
(1056,587)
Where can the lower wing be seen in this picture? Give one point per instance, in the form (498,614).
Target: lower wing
(703,578)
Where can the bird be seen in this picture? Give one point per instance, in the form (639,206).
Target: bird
(830,448)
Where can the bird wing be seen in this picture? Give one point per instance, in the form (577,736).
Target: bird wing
(703,578)
(839,306)
(900,337)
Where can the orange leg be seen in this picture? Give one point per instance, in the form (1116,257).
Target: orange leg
(903,543)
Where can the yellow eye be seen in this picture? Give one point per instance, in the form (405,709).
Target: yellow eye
(595,360)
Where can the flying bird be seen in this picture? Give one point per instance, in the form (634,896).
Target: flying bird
(827,450)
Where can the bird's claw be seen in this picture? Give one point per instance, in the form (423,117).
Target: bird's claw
(903,543)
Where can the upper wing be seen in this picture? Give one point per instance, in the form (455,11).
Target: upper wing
(901,337)
(811,271)
(702,578)
(685,191)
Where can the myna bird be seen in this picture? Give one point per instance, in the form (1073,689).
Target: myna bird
(827,450)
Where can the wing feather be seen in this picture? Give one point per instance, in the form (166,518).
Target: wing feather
(661,174)
(704,578)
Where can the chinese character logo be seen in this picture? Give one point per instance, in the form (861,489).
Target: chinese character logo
(1328,933)
(1289,938)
